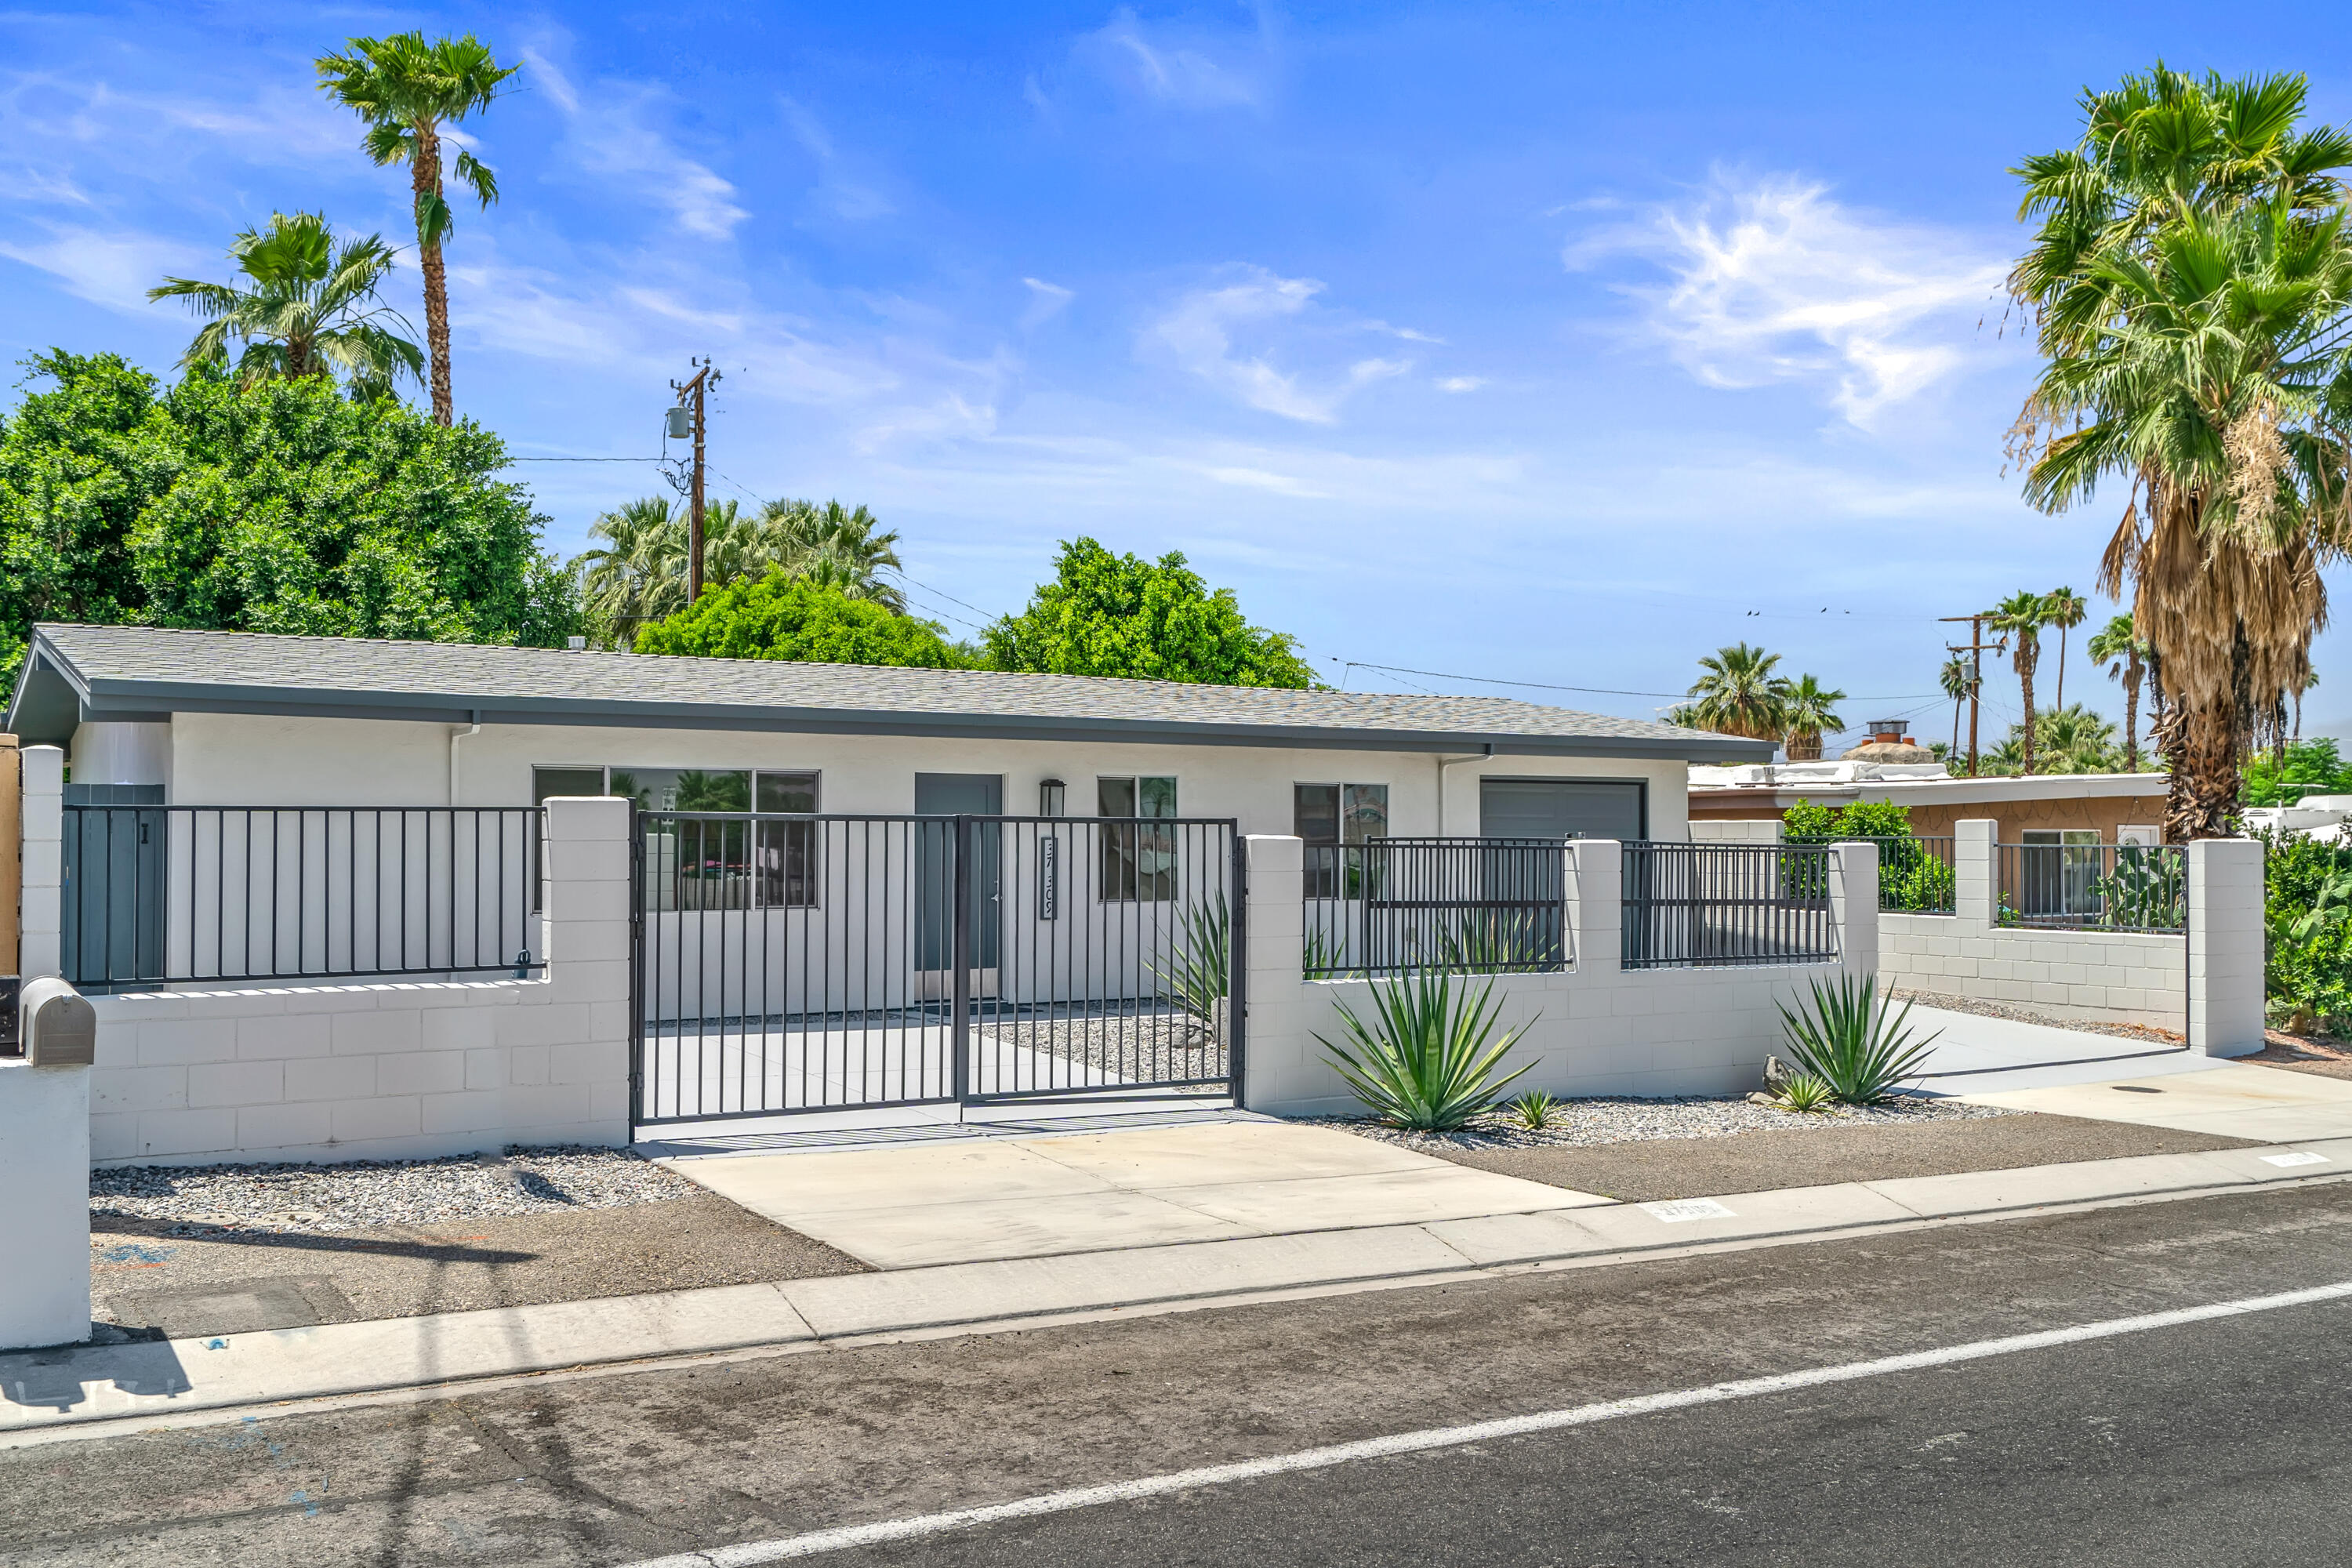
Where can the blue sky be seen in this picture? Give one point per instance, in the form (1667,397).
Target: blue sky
(1548,344)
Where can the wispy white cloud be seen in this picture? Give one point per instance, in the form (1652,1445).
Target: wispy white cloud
(848,196)
(1772,281)
(1461,382)
(1183,68)
(109,266)
(620,142)
(1045,300)
(1198,333)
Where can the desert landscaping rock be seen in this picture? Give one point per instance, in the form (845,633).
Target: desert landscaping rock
(1589,1123)
(365,1192)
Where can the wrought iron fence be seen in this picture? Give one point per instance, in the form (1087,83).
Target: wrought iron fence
(790,962)
(1701,905)
(1480,905)
(2110,886)
(154,894)
(1916,875)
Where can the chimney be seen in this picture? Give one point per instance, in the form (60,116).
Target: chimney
(1887,730)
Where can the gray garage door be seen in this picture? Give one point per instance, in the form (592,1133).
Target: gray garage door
(1559,808)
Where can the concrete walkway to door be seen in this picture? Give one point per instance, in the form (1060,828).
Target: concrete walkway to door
(980,1199)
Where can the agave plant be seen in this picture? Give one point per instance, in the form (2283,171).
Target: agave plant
(1846,1037)
(1533,1110)
(1199,973)
(1806,1093)
(1427,1058)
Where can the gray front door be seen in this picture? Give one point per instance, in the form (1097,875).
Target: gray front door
(956,795)
(1559,808)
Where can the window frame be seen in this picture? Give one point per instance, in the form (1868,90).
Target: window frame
(775,883)
(1120,876)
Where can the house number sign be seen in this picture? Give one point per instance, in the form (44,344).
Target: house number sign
(1049,877)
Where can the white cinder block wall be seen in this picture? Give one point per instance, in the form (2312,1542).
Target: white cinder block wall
(1594,1028)
(373,1070)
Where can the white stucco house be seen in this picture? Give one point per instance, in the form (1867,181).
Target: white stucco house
(189,718)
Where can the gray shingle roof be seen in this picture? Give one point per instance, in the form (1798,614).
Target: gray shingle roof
(78,672)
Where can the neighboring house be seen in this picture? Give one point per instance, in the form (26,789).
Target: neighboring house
(185,718)
(2070,808)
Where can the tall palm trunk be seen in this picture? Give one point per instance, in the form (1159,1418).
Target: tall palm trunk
(2029,654)
(1956,728)
(2062,667)
(424,170)
(2131,714)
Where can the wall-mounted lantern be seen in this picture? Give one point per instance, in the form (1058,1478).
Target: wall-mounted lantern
(1050,797)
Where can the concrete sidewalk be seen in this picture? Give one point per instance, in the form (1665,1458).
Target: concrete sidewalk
(1973,1054)
(61,1391)
(1039,1197)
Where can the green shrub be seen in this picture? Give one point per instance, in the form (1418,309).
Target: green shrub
(1846,1037)
(1427,1058)
(1805,1093)
(2307,930)
(2265,781)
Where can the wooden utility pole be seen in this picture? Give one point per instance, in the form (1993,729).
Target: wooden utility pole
(1974,648)
(690,395)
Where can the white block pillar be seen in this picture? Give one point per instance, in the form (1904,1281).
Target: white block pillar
(45,1217)
(1854,904)
(589,955)
(1276,1047)
(1976,894)
(2225,946)
(42,906)
(1596,905)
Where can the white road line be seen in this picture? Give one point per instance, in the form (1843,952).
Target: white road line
(848,1538)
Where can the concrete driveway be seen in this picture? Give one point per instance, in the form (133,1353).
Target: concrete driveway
(973,1200)
(2229,1098)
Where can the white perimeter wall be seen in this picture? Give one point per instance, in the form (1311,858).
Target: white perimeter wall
(1593,1028)
(370,1070)
(239,760)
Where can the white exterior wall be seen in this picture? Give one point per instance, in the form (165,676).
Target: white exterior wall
(388,1070)
(240,759)
(1594,1028)
(2133,977)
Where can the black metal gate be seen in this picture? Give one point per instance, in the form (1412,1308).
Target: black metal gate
(790,963)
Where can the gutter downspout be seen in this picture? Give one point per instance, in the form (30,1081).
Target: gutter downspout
(1444,762)
(455,735)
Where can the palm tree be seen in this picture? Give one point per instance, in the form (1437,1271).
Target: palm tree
(2074,740)
(2309,682)
(637,574)
(2114,646)
(2020,619)
(1809,708)
(409,92)
(2188,284)
(1959,681)
(310,308)
(2067,609)
(1739,695)
(802,534)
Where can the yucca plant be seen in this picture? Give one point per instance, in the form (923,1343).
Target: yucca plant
(1533,1110)
(1845,1038)
(1427,1058)
(1198,975)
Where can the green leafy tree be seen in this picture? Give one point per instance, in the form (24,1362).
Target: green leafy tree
(2308,767)
(282,507)
(1122,616)
(786,617)
(1738,694)
(410,92)
(308,307)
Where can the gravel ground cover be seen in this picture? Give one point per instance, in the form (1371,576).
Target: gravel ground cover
(1159,1046)
(1610,1119)
(2148,1032)
(193,1200)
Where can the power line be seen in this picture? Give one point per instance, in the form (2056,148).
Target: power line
(654,461)
(1592,690)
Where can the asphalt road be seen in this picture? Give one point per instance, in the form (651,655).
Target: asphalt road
(2217,1443)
